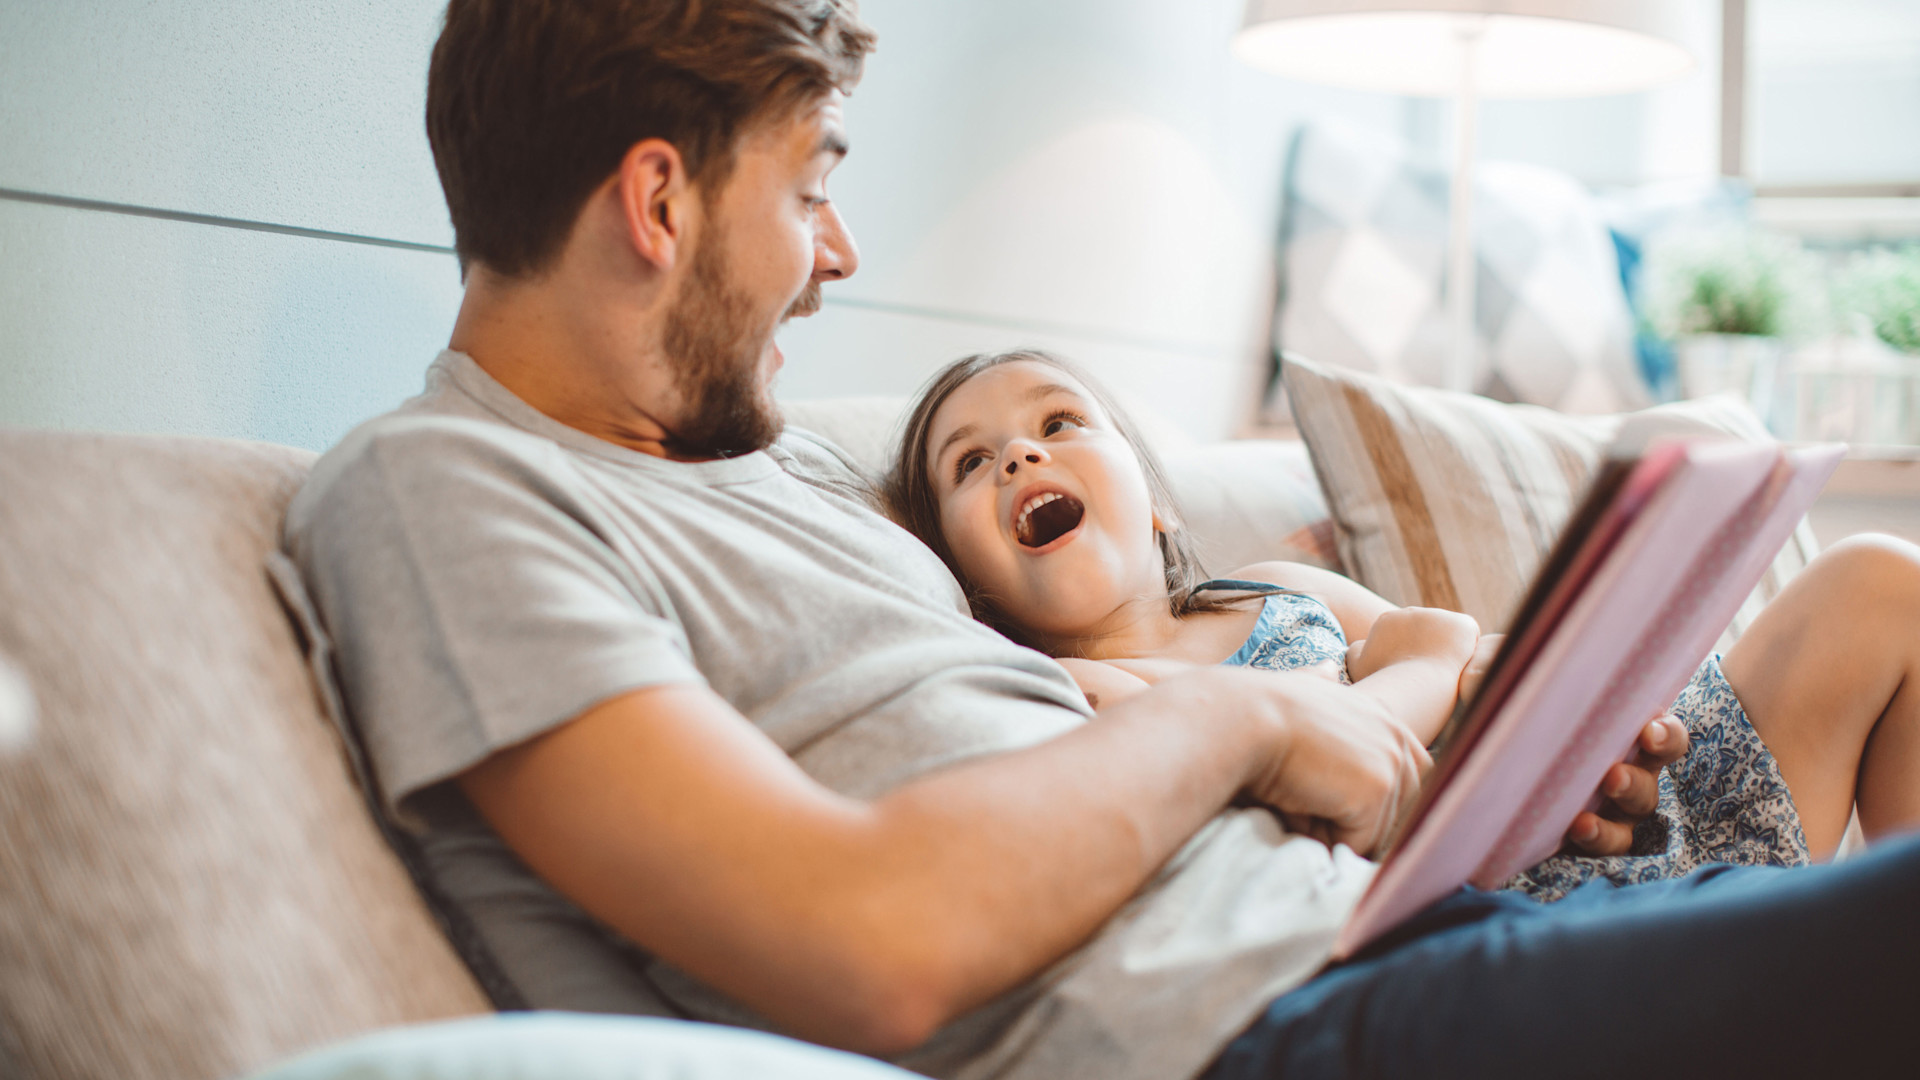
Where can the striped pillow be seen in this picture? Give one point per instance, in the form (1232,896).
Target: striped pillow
(1453,501)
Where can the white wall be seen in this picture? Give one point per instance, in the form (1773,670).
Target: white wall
(1092,175)
(1095,176)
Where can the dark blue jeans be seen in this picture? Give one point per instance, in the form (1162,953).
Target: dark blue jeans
(1739,972)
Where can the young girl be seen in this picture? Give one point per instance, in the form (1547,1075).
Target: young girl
(1033,487)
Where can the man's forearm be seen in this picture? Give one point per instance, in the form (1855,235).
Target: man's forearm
(670,818)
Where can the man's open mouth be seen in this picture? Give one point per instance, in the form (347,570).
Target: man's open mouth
(1047,517)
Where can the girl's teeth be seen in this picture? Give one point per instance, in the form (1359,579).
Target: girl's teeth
(1026,512)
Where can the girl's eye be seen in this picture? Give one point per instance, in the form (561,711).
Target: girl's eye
(968,462)
(1061,421)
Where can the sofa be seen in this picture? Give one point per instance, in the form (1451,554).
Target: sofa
(192,886)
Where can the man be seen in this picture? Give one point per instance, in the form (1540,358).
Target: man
(686,728)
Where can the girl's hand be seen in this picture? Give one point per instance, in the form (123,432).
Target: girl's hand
(1630,791)
(1445,637)
(1475,672)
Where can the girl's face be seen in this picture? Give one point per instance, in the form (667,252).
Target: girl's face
(1042,502)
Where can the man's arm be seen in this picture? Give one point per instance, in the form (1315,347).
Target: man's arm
(672,819)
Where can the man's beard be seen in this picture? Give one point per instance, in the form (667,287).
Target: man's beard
(710,340)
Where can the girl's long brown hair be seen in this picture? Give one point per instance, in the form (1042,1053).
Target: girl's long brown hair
(911,499)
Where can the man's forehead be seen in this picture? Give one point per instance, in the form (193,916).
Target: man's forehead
(815,128)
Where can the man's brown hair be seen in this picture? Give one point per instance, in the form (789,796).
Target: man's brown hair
(531,104)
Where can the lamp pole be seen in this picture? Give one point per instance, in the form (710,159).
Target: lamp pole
(1462,338)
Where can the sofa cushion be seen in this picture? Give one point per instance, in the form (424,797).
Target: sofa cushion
(1450,500)
(576,1046)
(190,885)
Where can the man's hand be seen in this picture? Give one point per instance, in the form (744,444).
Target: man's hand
(1631,791)
(1346,771)
(1445,637)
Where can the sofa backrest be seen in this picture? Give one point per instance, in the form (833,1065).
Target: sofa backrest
(190,885)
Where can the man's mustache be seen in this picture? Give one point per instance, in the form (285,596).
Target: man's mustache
(805,304)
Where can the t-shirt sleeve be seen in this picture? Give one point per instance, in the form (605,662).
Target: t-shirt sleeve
(475,595)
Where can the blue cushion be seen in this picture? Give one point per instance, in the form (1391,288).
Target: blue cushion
(575,1046)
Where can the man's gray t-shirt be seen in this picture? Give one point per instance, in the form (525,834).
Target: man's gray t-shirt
(488,573)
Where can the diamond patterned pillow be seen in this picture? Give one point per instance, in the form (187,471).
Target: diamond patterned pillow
(1363,241)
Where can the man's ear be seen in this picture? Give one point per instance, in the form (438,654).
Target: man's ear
(656,199)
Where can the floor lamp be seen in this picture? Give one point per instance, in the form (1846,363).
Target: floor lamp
(1467,50)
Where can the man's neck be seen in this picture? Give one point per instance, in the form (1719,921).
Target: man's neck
(591,362)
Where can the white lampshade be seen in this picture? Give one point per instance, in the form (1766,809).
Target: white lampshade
(1523,49)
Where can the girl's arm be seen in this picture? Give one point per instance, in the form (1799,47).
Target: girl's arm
(1354,605)
(1415,661)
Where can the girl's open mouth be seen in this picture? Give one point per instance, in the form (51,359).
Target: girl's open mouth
(1047,517)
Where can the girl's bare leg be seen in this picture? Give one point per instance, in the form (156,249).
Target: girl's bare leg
(1827,675)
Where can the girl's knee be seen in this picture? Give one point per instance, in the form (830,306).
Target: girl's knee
(1869,568)
(1872,554)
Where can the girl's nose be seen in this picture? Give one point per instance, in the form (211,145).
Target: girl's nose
(1018,454)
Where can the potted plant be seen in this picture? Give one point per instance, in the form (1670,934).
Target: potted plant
(1883,288)
(1866,388)
(1728,299)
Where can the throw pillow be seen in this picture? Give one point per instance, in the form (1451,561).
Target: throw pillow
(1363,250)
(1453,501)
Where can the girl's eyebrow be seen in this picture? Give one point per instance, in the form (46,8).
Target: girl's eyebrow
(961,432)
(1050,389)
(1044,390)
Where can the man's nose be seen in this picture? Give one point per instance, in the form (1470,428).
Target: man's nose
(835,256)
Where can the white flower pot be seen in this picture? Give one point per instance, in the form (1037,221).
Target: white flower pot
(1748,365)
(1853,388)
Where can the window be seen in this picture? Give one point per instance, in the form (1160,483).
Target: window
(1822,97)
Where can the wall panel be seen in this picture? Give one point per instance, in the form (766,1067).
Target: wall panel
(129,324)
(306,113)
(1096,175)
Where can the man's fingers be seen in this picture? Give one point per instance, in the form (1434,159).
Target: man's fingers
(1662,742)
(1592,834)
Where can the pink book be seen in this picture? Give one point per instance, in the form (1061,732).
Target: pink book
(1641,584)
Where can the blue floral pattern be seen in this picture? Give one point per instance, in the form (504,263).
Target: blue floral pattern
(1725,802)
(1294,631)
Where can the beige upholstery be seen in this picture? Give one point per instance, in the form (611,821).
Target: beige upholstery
(190,886)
